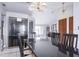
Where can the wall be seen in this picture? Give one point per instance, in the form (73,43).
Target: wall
(44,17)
(68,12)
(49,17)
(72,10)
(0,21)
(76,19)
(11,14)
(0,25)
(11,51)
(2,15)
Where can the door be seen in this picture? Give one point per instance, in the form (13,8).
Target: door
(62,28)
(71,24)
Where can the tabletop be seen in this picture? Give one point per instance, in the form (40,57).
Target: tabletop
(45,48)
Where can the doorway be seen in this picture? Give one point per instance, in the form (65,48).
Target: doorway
(16,26)
(40,32)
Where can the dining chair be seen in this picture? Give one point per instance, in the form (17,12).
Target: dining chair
(55,37)
(72,48)
(68,43)
(24,51)
(64,45)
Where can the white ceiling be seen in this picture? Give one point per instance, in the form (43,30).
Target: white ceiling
(17,7)
(22,7)
(57,5)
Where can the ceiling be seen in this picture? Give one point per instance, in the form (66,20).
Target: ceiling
(22,7)
(17,7)
(56,5)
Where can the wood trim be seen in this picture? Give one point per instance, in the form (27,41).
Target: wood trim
(71,24)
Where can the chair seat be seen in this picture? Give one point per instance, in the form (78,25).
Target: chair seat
(27,48)
(27,52)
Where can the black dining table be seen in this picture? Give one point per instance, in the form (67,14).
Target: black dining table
(45,48)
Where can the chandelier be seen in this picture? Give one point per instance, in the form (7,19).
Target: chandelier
(38,6)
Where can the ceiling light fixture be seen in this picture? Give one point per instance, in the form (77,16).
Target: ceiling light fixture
(63,10)
(38,6)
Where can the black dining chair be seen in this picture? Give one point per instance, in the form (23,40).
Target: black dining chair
(72,48)
(68,45)
(64,45)
(22,48)
(55,37)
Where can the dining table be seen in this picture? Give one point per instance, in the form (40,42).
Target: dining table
(45,48)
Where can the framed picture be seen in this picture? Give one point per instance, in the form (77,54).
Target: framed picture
(54,28)
(48,29)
